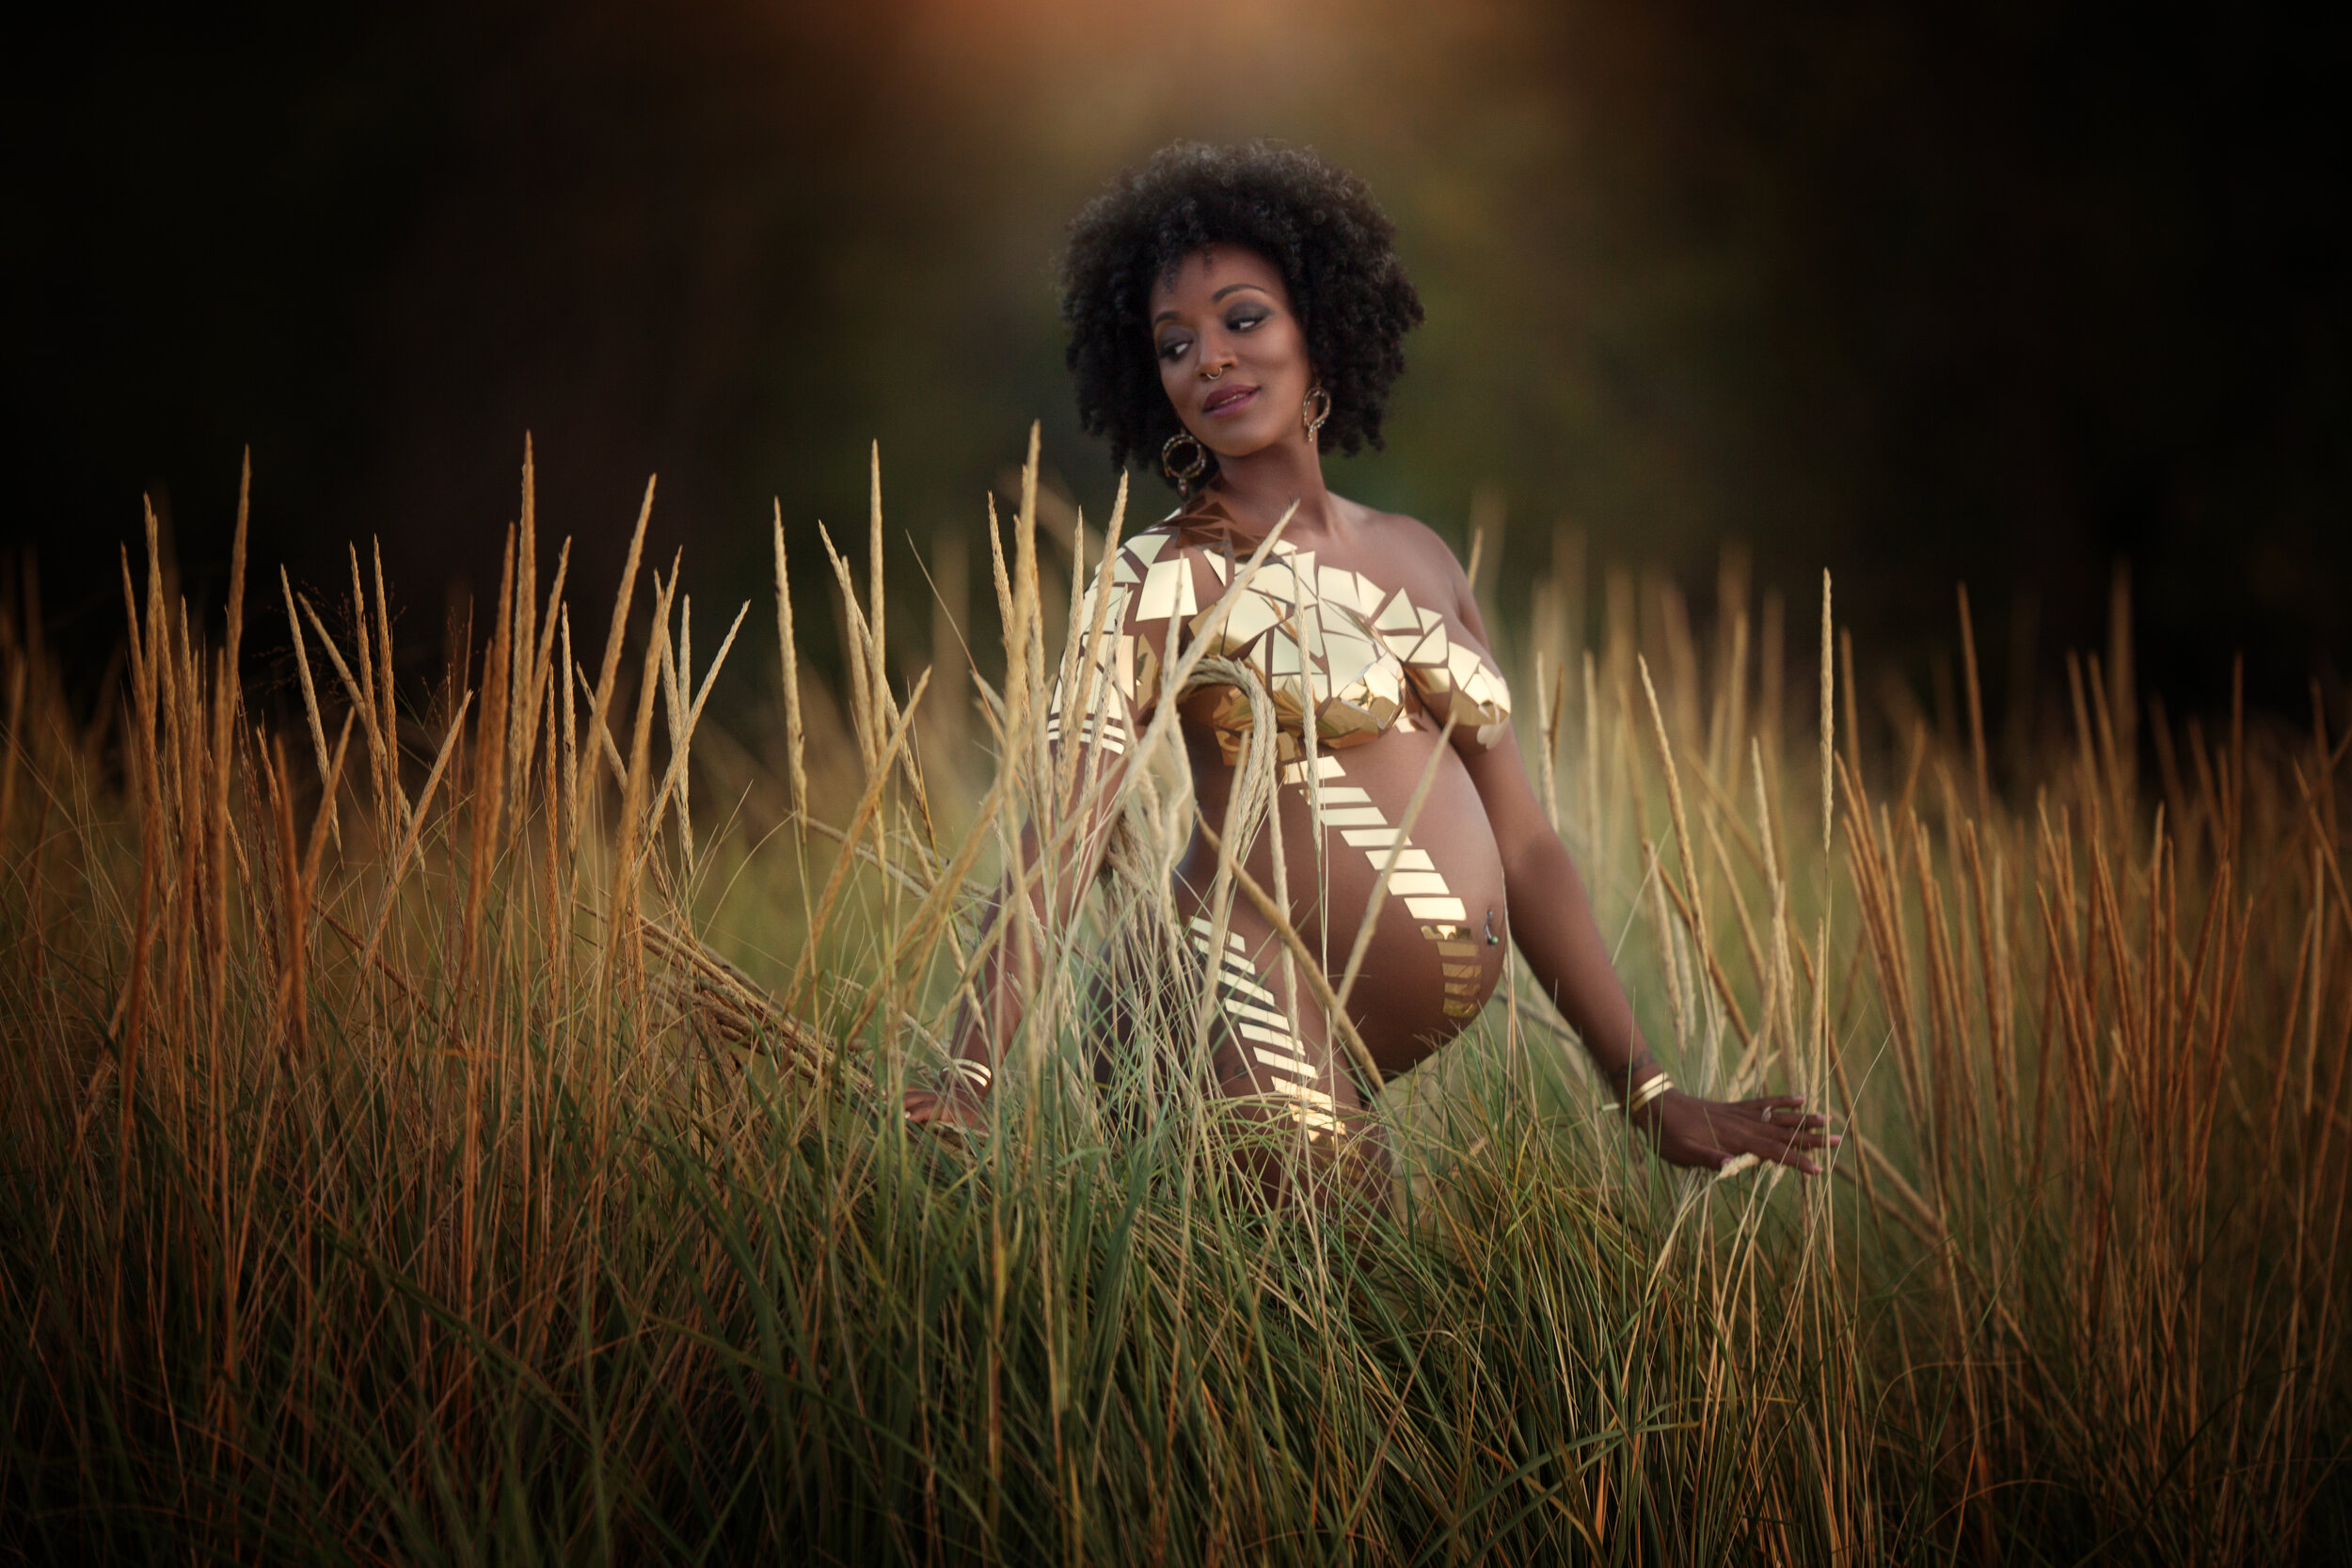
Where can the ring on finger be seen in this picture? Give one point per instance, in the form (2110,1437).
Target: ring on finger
(1765,1113)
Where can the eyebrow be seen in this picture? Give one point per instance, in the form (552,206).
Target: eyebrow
(1214,299)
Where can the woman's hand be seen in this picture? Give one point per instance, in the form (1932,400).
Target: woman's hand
(952,1113)
(1711,1133)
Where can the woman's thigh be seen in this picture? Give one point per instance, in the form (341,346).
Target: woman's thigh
(1279,1076)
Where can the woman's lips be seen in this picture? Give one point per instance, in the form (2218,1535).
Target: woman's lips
(1229,401)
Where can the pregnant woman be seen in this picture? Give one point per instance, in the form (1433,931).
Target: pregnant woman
(1232,314)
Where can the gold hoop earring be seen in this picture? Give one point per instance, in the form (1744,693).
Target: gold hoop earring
(1311,416)
(1183,478)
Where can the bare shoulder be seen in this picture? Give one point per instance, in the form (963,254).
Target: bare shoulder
(1411,545)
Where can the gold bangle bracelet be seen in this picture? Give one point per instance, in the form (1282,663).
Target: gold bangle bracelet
(976,1074)
(1650,1090)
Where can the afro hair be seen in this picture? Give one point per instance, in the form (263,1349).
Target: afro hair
(1319,224)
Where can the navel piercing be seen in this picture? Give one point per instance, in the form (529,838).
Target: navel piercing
(1492,939)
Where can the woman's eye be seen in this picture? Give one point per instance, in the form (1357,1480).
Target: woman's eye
(1174,348)
(1245,321)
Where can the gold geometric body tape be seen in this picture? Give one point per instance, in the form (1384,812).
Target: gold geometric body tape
(1325,640)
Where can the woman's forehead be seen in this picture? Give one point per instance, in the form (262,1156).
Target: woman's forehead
(1202,274)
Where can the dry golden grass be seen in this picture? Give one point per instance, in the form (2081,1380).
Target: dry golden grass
(432,1132)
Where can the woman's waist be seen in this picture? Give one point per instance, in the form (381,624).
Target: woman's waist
(1330,865)
(1432,955)
(1404,788)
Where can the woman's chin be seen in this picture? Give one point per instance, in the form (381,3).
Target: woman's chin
(1240,446)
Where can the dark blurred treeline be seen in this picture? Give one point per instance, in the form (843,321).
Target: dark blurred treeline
(2005,292)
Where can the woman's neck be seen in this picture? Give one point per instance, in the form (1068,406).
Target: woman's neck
(1256,490)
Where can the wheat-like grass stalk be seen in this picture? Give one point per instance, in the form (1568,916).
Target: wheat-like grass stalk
(488,1147)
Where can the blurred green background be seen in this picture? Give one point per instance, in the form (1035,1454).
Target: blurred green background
(2005,292)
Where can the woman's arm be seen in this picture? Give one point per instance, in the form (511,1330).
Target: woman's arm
(1551,920)
(1048,879)
(1090,733)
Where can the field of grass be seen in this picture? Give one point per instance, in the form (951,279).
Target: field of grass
(447,1126)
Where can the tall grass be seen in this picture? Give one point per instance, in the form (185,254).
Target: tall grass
(458,1123)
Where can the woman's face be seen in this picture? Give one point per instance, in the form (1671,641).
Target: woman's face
(1233,354)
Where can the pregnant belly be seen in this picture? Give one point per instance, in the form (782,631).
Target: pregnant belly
(1437,943)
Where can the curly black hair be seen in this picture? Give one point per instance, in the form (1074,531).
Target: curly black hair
(1317,224)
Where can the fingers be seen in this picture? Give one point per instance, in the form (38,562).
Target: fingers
(1791,1146)
(944,1117)
(1769,1127)
(1707,1157)
(1785,1131)
(1781,1116)
(1726,1162)
(1781,1110)
(1746,1151)
(1724,1137)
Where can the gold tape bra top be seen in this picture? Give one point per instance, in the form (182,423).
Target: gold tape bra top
(1324,639)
